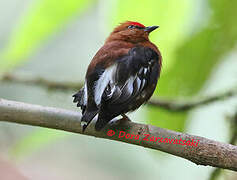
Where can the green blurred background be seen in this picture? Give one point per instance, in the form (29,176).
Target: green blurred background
(57,39)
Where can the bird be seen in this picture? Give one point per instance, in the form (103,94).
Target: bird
(122,75)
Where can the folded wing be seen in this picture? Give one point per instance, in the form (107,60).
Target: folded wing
(123,84)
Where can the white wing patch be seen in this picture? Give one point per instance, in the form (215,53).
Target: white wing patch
(119,94)
(107,77)
(85,94)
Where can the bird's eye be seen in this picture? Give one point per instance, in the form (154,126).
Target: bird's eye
(131,26)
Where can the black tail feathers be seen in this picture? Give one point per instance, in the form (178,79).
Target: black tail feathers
(87,118)
(79,99)
(88,113)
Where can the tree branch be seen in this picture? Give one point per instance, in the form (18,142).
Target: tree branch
(180,106)
(169,105)
(233,129)
(38,81)
(207,152)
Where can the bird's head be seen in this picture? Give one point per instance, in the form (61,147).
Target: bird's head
(130,31)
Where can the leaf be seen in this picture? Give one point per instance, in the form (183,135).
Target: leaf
(43,18)
(196,58)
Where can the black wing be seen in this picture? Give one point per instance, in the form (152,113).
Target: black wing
(126,82)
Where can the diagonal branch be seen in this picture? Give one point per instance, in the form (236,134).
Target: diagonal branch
(180,106)
(206,151)
(169,105)
(39,81)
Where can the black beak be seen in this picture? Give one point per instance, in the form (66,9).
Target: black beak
(150,28)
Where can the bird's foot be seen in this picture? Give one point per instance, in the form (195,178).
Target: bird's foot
(125,118)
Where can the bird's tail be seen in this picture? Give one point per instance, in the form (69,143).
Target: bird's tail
(87,118)
(79,99)
(87,113)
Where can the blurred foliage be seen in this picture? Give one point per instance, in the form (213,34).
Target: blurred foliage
(196,58)
(187,60)
(43,18)
(35,141)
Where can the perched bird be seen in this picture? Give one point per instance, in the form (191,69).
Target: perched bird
(122,75)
